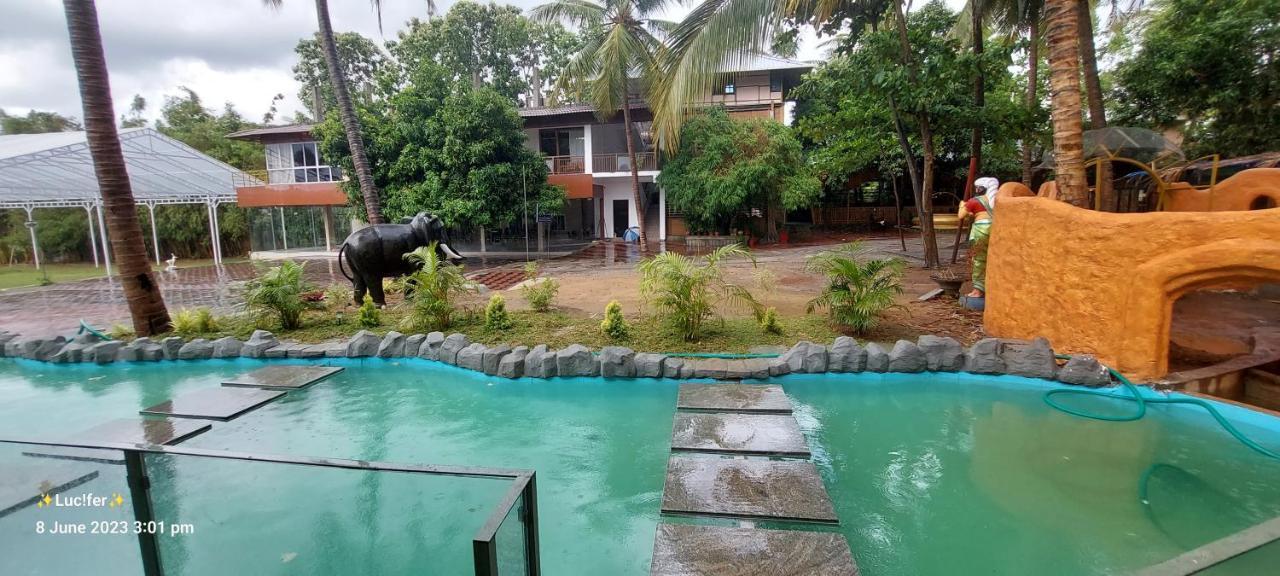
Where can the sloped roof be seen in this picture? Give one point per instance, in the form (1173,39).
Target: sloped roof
(56,169)
(257,133)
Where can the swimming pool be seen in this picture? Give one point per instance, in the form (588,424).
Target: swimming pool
(929,473)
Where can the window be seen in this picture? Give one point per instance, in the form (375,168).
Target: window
(730,88)
(726,87)
(298,162)
(562,141)
(775,81)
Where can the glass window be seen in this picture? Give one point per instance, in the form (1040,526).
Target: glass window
(730,88)
(775,81)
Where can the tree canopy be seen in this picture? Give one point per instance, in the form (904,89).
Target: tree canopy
(185,118)
(1212,68)
(37,122)
(444,146)
(362,60)
(726,167)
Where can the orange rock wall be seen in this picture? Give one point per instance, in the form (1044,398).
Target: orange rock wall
(1235,193)
(1105,283)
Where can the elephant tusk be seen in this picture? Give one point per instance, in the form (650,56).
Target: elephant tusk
(450,253)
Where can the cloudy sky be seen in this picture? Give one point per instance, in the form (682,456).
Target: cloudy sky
(234,51)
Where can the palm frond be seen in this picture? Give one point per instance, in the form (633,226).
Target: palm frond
(581,13)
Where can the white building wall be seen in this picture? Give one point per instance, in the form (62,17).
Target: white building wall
(619,188)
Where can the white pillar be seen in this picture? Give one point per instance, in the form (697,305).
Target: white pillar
(587,154)
(284,232)
(93,242)
(155,237)
(102,232)
(483,248)
(328,228)
(213,231)
(217,231)
(662,214)
(35,245)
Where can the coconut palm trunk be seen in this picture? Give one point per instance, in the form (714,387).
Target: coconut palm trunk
(1062,38)
(350,121)
(635,171)
(146,304)
(1031,100)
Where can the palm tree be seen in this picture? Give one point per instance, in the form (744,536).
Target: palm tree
(146,304)
(622,39)
(1062,37)
(346,111)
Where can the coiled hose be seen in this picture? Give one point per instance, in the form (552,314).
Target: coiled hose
(1141,409)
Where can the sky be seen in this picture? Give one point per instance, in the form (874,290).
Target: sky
(237,51)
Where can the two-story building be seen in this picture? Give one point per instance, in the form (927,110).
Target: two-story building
(296,203)
(588,156)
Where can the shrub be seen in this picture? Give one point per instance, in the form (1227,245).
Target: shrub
(337,297)
(194,321)
(614,325)
(858,290)
(495,314)
(368,315)
(769,321)
(539,295)
(684,292)
(435,285)
(120,332)
(279,291)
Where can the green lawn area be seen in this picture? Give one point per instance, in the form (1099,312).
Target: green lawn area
(23,275)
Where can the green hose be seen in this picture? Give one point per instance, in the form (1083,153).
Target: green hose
(719,355)
(1141,409)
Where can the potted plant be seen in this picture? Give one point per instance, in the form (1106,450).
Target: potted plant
(949,280)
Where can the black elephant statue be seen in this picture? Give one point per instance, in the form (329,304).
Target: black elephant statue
(377,252)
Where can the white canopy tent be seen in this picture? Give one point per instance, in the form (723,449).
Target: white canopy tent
(55,170)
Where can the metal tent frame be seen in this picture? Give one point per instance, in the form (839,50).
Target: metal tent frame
(55,170)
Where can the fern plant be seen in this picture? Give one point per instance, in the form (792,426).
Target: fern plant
(858,290)
(368,315)
(190,321)
(539,295)
(496,317)
(614,325)
(684,292)
(279,291)
(435,286)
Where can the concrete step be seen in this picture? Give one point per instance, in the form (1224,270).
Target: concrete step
(748,489)
(685,549)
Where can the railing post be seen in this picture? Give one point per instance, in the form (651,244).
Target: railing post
(530,498)
(139,493)
(486,556)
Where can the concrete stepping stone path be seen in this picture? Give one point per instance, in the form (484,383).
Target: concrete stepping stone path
(753,398)
(747,434)
(686,550)
(283,377)
(749,489)
(161,431)
(214,403)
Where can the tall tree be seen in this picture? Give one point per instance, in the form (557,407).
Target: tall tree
(1062,37)
(1093,89)
(622,39)
(146,304)
(361,60)
(346,110)
(37,122)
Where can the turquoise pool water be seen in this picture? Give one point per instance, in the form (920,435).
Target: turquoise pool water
(930,474)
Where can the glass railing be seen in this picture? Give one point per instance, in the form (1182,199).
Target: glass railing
(126,509)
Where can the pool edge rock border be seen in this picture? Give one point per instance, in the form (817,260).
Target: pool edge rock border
(936,354)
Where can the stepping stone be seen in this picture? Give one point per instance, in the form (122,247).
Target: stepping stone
(283,377)
(764,398)
(24,485)
(165,432)
(752,489)
(728,433)
(214,403)
(686,550)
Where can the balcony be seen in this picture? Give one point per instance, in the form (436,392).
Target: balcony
(309,186)
(622,162)
(565,164)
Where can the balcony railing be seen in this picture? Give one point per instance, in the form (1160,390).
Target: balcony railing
(622,162)
(566,164)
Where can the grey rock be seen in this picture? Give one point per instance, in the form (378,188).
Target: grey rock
(43,349)
(197,349)
(617,362)
(717,368)
(412,343)
(1032,359)
(258,344)
(282,350)
(671,367)
(472,357)
(449,349)
(104,352)
(308,351)
(392,345)
(430,347)
(540,362)
(687,370)
(576,360)
(334,349)
(493,357)
(142,349)
(942,353)
(74,351)
(512,365)
(1084,370)
(779,367)
(877,358)
(363,344)
(807,357)
(846,355)
(907,357)
(649,365)
(743,368)
(984,357)
(171,346)
(226,347)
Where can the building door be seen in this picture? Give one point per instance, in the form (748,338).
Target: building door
(621,217)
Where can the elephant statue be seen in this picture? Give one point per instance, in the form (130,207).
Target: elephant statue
(377,252)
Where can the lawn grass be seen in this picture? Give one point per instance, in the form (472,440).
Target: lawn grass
(555,328)
(25,275)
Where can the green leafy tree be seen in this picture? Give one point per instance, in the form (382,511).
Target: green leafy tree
(185,118)
(1211,68)
(726,167)
(858,290)
(37,122)
(685,292)
(362,61)
(134,119)
(450,149)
